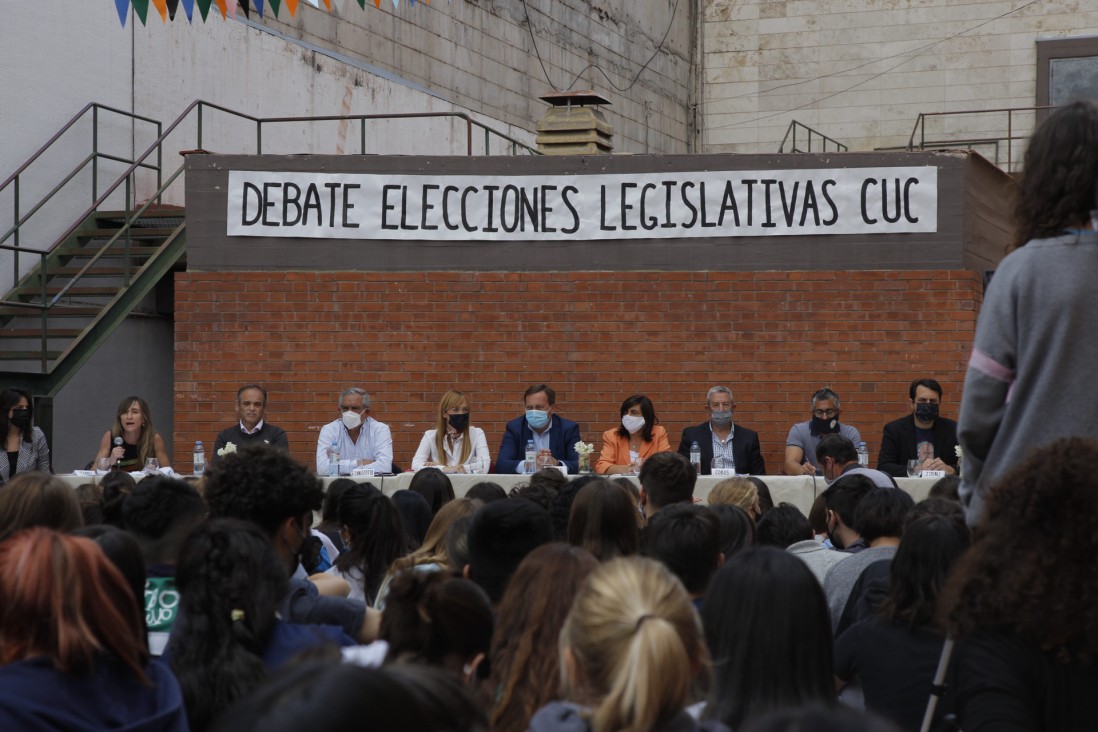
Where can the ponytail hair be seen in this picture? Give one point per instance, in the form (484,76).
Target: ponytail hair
(636,644)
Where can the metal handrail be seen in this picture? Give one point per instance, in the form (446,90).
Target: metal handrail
(920,129)
(157,148)
(791,131)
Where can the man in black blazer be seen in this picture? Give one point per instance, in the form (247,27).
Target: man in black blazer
(719,433)
(903,436)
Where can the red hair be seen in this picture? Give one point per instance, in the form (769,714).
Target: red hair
(68,602)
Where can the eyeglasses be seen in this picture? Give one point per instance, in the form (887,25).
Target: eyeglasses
(343,408)
(824,413)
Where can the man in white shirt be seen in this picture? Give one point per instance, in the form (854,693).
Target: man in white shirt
(359,438)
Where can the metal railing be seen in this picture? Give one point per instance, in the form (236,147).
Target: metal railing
(141,162)
(807,136)
(1015,132)
(21,217)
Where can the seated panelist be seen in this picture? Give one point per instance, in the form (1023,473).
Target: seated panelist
(453,446)
(139,439)
(553,436)
(639,436)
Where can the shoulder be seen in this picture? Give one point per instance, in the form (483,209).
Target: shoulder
(567,424)
(747,432)
(227,434)
(515,425)
(557,716)
(693,430)
(799,432)
(37,435)
(611,435)
(275,430)
(429,435)
(659,430)
(379,426)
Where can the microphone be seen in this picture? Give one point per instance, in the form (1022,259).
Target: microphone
(118,443)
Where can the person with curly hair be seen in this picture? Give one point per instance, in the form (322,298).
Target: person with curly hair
(525,668)
(1021,603)
(1030,378)
(266,486)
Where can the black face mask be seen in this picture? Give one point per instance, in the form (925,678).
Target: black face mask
(926,412)
(21,419)
(824,425)
(459,421)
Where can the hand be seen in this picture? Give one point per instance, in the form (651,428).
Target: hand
(117,453)
(808,469)
(938,464)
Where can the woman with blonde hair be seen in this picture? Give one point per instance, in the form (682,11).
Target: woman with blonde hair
(454,446)
(431,556)
(629,651)
(139,439)
(737,492)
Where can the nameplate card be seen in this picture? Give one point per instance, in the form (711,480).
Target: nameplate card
(932,474)
(363,472)
(724,472)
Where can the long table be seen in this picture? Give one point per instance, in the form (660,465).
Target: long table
(799,490)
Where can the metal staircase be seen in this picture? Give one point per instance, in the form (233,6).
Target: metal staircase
(87,280)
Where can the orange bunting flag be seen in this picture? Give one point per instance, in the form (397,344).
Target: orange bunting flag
(292,5)
(377,3)
(162,8)
(222,8)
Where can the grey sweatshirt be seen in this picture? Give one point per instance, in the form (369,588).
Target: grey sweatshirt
(1033,374)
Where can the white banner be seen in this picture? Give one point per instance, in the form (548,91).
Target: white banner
(581,207)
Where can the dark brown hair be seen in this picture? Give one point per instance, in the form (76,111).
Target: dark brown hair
(1041,514)
(525,661)
(38,499)
(604,521)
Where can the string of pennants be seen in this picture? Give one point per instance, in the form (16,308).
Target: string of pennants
(228,8)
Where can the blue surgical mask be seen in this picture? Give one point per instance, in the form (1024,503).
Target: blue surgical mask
(536,418)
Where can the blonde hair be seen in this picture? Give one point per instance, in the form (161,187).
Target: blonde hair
(450,400)
(736,492)
(433,548)
(636,645)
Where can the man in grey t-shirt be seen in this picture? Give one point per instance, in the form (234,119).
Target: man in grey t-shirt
(804,437)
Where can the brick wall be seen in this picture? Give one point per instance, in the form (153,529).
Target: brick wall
(597,337)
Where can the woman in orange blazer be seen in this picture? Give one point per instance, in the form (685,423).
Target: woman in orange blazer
(640,436)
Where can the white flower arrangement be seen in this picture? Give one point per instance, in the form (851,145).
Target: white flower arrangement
(958,452)
(584,449)
(229,449)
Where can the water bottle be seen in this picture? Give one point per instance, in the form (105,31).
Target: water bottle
(863,455)
(333,462)
(199,459)
(531,456)
(696,457)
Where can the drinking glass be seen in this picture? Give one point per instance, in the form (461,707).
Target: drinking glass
(913,467)
(152,465)
(103,465)
(546,461)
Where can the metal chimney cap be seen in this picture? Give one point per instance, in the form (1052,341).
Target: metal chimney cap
(573,98)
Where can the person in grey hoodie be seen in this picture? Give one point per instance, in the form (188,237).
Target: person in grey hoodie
(630,649)
(1030,379)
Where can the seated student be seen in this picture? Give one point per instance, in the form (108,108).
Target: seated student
(787,528)
(879,521)
(1021,602)
(139,439)
(766,625)
(160,513)
(737,492)
(78,661)
(500,536)
(895,652)
(228,634)
(525,645)
(639,436)
(437,620)
(837,456)
(686,539)
(266,486)
(629,649)
(603,521)
(38,499)
(415,514)
(373,533)
(737,528)
(665,478)
(434,486)
(329,514)
(114,488)
(322,696)
(454,446)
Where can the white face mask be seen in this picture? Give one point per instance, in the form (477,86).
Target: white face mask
(632,423)
(351,419)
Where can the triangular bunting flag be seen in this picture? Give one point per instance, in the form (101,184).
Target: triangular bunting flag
(292,5)
(231,5)
(188,8)
(336,6)
(377,4)
(204,8)
(221,5)
(362,4)
(142,8)
(162,8)
(396,4)
(258,6)
(244,7)
(275,6)
(173,8)
(314,3)
(123,10)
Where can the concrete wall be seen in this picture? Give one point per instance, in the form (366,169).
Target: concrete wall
(597,337)
(861,71)
(481,54)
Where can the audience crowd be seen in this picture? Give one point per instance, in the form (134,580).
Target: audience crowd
(251,599)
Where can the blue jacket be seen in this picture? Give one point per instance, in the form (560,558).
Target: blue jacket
(563,436)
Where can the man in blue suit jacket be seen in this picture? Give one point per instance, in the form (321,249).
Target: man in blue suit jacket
(743,443)
(551,434)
